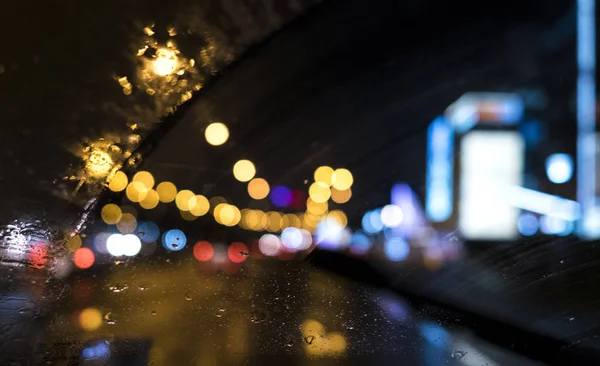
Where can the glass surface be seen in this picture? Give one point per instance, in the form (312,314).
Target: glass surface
(230,182)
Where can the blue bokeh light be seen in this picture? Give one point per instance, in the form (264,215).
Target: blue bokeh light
(282,196)
(174,240)
(396,249)
(559,168)
(528,224)
(148,232)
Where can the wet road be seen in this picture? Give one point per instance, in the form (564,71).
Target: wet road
(178,312)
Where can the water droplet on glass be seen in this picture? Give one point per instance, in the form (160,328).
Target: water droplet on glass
(309,339)
(153,312)
(188,297)
(142,288)
(108,320)
(220,312)
(457,355)
(118,287)
(570,319)
(258,316)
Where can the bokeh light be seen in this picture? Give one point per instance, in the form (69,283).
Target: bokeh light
(296,239)
(118,182)
(258,188)
(342,179)
(371,222)
(150,201)
(237,252)
(324,174)
(167,192)
(360,243)
(391,216)
(244,170)
(111,214)
(201,207)
(396,249)
(187,215)
(83,258)
(319,192)
(73,243)
(340,197)
(216,134)
(339,216)
(131,245)
(281,196)
(174,240)
(203,251)
(228,215)
(127,224)
(559,168)
(136,191)
(270,245)
(275,221)
(90,319)
(185,200)
(315,208)
(145,178)
(528,224)
(148,231)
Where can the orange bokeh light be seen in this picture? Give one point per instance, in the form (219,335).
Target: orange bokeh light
(83,258)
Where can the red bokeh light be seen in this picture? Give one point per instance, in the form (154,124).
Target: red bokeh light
(203,251)
(298,200)
(83,258)
(237,252)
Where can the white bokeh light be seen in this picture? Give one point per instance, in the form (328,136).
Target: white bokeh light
(114,245)
(270,245)
(559,168)
(131,245)
(391,216)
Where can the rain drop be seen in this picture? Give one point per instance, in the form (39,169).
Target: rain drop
(309,339)
(153,312)
(457,355)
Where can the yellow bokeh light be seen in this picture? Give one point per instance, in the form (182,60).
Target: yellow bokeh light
(136,191)
(342,179)
(338,196)
(216,133)
(166,62)
(118,182)
(311,327)
(244,170)
(128,224)
(185,200)
(275,221)
(319,192)
(250,219)
(90,319)
(339,216)
(229,215)
(243,221)
(111,214)
(316,208)
(150,201)
(74,243)
(145,177)
(258,188)
(98,163)
(323,174)
(217,211)
(187,215)
(202,206)
(166,192)
(293,220)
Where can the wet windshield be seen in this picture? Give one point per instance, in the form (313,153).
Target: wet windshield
(218,182)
